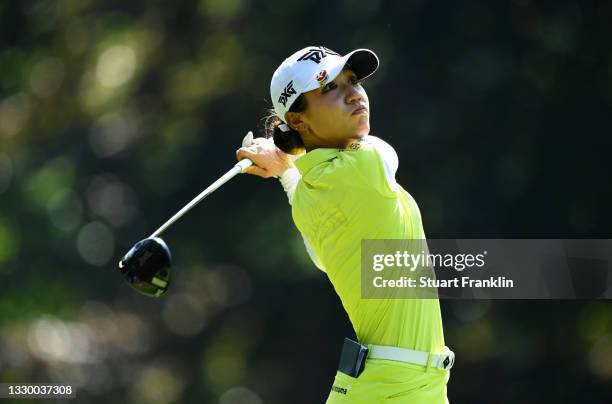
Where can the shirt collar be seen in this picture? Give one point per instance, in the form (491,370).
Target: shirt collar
(314,157)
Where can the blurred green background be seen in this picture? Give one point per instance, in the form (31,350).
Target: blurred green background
(114,114)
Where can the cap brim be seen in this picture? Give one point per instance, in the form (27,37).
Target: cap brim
(363,62)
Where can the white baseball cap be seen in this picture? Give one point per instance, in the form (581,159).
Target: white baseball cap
(311,68)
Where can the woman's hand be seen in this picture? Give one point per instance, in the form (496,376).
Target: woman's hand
(268,160)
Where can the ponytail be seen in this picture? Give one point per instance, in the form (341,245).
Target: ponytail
(289,141)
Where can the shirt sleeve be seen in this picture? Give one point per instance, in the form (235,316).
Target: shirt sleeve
(289,179)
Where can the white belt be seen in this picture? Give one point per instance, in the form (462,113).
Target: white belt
(443,361)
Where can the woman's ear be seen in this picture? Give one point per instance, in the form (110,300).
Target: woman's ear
(295,122)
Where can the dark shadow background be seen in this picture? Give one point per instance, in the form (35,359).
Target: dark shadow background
(114,114)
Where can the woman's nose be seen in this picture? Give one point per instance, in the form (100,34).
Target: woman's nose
(353,95)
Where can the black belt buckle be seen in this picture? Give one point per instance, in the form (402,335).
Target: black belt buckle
(352,358)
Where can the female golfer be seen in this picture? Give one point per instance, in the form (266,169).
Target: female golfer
(341,184)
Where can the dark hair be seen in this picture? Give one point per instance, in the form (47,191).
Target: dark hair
(291,141)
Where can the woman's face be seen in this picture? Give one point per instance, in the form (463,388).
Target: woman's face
(336,113)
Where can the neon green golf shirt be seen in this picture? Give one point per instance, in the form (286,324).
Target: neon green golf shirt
(344,196)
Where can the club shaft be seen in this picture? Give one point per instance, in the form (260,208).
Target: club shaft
(237,169)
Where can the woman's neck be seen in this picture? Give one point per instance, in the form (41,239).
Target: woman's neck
(314,142)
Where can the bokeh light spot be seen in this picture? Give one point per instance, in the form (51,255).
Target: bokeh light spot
(112,133)
(96,243)
(14,114)
(111,199)
(599,358)
(219,10)
(116,65)
(229,285)
(240,395)
(65,209)
(184,314)
(156,384)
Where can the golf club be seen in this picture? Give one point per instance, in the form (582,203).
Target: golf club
(146,267)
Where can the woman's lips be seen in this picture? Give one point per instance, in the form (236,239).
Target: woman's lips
(359,111)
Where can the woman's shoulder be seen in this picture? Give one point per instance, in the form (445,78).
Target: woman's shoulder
(381,145)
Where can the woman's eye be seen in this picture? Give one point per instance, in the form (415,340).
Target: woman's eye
(329,86)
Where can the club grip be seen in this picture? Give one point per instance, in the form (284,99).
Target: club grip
(244,164)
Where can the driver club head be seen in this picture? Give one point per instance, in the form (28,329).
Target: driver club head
(146,267)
